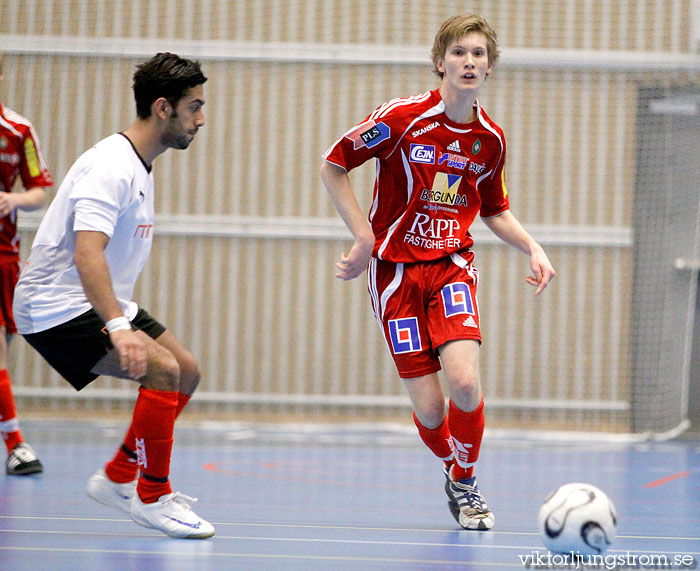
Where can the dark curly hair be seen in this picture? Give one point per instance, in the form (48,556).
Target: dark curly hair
(164,75)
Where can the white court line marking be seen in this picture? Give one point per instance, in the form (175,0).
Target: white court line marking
(490,532)
(346,541)
(74,532)
(281,525)
(222,555)
(52,518)
(280,539)
(341,527)
(480,564)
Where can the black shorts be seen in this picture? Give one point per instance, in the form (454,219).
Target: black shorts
(74,347)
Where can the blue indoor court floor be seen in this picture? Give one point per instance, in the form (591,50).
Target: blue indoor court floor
(342,497)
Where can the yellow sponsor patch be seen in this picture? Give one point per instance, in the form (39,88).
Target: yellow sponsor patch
(32,158)
(503,183)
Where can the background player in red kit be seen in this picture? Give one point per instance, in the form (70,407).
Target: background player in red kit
(440,163)
(20,155)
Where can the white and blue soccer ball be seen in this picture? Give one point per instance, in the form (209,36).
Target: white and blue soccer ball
(577,518)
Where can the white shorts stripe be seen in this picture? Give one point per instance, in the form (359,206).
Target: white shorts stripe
(392,287)
(372,286)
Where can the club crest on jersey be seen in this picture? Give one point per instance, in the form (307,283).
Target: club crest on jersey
(476,147)
(457,299)
(405,337)
(422,154)
(369,134)
(3,143)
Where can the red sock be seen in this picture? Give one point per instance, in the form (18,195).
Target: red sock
(182,401)
(123,467)
(9,426)
(466,428)
(437,439)
(154,419)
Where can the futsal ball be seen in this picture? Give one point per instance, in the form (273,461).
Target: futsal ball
(577,518)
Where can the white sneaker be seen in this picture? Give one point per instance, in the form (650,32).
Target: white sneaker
(473,511)
(22,460)
(173,515)
(100,488)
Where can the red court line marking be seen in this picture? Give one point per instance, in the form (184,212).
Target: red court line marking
(667,479)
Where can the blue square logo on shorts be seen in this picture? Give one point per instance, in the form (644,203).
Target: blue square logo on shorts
(457,299)
(405,337)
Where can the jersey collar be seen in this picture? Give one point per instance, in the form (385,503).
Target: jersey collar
(146,166)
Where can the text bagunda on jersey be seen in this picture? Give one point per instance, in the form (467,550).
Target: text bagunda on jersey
(433,176)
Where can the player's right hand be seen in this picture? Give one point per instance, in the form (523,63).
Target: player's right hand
(353,264)
(132,352)
(7,203)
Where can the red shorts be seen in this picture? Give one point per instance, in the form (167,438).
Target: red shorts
(423,306)
(9,274)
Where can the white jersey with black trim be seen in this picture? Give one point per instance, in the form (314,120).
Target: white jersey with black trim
(108,189)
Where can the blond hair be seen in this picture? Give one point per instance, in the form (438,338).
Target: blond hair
(459,26)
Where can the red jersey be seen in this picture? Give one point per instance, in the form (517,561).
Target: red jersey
(433,176)
(20,154)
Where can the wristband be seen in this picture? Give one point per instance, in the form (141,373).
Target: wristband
(117,324)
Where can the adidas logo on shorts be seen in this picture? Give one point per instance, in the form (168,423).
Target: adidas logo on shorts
(469,322)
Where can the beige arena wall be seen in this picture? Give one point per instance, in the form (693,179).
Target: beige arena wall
(242,264)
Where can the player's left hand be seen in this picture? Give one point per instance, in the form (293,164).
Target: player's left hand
(7,203)
(542,269)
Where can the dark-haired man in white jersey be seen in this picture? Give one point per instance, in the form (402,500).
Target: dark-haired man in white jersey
(74,305)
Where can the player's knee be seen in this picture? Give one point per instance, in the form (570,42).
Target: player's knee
(432,418)
(189,374)
(164,373)
(465,387)
(431,414)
